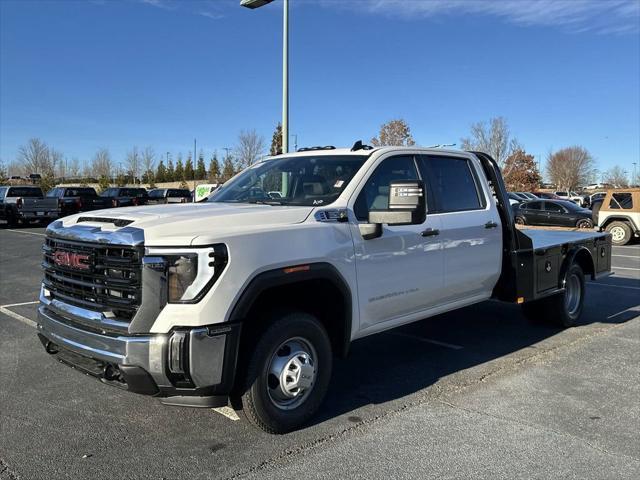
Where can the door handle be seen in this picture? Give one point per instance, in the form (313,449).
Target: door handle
(490,225)
(430,232)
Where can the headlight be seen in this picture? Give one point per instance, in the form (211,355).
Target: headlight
(191,271)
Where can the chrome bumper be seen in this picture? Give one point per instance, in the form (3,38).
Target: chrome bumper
(143,361)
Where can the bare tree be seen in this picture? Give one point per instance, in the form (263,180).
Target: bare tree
(101,165)
(133,163)
(73,168)
(616,176)
(570,167)
(250,148)
(394,132)
(35,158)
(148,163)
(494,139)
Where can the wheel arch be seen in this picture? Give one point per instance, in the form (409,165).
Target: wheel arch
(317,288)
(619,218)
(581,256)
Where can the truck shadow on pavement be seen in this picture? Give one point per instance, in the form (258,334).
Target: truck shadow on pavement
(398,363)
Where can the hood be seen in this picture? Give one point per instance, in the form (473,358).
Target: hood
(181,224)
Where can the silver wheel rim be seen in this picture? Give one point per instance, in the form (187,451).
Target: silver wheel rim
(584,224)
(573,294)
(519,221)
(617,234)
(291,373)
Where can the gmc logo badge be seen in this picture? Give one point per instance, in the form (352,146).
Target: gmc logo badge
(78,261)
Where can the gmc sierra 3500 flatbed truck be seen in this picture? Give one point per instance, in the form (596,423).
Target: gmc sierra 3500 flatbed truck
(244,299)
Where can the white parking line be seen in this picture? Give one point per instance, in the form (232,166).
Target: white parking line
(19,304)
(601,284)
(626,268)
(26,233)
(627,246)
(637,257)
(632,309)
(227,412)
(18,317)
(428,340)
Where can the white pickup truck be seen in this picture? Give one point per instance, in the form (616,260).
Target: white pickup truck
(244,299)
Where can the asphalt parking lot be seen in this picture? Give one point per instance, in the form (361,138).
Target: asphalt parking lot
(477,393)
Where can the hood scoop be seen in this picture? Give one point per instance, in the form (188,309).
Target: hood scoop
(118,222)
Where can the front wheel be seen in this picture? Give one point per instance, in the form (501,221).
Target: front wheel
(562,309)
(520,221)
(288,373)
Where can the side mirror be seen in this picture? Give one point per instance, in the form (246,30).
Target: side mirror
(407,206)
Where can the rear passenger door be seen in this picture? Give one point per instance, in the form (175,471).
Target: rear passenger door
(470,228)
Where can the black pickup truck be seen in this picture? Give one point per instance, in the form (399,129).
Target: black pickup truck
(126,196)
(78,199)
(25,204)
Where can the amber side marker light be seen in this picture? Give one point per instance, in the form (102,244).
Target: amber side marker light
(520,300)
(299,268)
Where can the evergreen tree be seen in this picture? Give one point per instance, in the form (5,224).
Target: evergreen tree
(179,173)
(214,168)
(201,170)
(188,169)
(276,141)
(161,172)
(228,170)
(171,173)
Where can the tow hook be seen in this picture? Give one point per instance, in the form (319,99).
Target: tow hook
(51,348)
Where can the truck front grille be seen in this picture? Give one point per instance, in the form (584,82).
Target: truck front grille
(107,279)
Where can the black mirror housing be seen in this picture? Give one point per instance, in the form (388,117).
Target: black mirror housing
(407,205)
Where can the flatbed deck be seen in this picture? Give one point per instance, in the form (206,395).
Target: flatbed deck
(552,238)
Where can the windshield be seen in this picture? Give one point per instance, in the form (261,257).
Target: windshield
(156,193)
(307,180)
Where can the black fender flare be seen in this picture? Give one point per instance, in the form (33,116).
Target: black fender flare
(570,259)
(293,274)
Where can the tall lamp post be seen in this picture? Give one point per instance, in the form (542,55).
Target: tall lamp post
(252,4)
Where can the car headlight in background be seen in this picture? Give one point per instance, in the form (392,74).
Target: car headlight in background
(191,272)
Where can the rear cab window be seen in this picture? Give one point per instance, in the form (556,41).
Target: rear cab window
(157,193)
(33,192)
(621,201)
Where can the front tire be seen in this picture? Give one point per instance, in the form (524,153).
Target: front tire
(288,373)
(620,233)
(520,221)
(562,309)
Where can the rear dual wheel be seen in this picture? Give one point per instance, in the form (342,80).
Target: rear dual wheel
(562,309)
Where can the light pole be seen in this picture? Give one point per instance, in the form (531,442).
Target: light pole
(193,165)
(285,65)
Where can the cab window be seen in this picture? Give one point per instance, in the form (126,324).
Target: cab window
(554,207)
(375,194)
(453,183)
(533,206)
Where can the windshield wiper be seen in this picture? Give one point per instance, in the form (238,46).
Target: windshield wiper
(266,202)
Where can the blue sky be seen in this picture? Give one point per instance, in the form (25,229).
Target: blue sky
(88,74)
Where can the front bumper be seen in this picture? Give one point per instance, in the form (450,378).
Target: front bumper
(140,363)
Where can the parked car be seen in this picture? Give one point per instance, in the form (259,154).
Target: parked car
(619,214)
(594,197)
(548,195)
(528,196)
(126,196)
(514,199)
(26,204)
(573,197)
(168,195)
(77,199)
(559,213)
(246,299)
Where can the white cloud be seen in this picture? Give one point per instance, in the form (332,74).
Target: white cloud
(600,16)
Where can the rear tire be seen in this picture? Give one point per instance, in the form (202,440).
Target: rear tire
(620,232)
(562,309)
(288,373)
(584,223)
(520,221)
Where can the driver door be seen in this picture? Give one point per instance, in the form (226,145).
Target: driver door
(401,272)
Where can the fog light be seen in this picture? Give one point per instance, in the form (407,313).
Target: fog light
(177,352)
